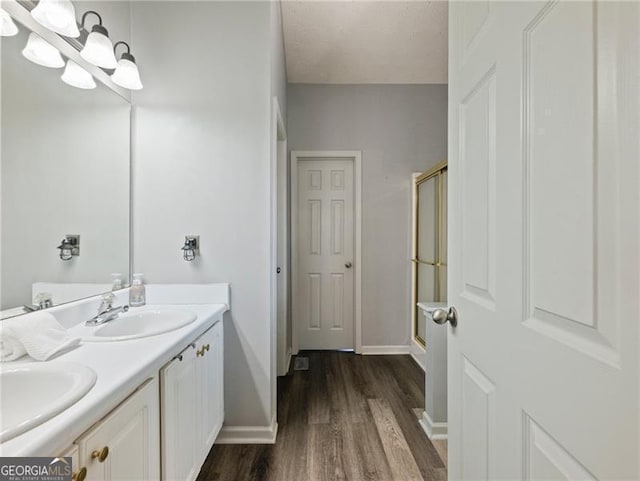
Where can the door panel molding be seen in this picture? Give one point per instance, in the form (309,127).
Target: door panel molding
(478,422)
(337,183)
(545,458)
(477,202)
(558,161)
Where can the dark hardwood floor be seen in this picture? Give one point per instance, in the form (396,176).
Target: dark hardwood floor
(348,418)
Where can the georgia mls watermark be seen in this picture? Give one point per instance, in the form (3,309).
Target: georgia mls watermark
(35,469)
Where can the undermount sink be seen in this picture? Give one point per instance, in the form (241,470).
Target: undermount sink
(134,325)
(34,393)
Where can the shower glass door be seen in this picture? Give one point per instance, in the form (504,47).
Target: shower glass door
(430,243)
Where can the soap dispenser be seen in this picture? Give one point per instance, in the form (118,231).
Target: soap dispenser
(116,281)
(137,294)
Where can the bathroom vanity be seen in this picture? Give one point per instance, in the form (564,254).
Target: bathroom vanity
(158,400)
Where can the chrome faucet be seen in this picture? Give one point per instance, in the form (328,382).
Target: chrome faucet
(42,301)
(106,311)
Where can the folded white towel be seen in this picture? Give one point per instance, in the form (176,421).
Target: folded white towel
(10,348)
(40,334)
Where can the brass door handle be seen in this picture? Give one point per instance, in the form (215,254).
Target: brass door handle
(79,475)
(100,454)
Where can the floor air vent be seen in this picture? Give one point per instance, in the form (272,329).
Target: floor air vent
(301,364)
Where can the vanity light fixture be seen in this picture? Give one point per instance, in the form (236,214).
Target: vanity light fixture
(8,28)
(39,51)
(78,77)
(126,74)
(191,247)
(58,16)
(98,49)
(69,247)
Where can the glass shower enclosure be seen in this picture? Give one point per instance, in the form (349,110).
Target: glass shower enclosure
(429,243)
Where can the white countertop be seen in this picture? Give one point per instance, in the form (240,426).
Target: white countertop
(121,367)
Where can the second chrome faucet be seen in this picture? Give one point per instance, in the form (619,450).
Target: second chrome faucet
(107,312)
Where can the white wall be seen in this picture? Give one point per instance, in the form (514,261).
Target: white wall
(400,129)
(202,166)
(278,63)
(64,170)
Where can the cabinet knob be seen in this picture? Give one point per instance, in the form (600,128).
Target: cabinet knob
(79,475)
(200,352)
(206,347)
(100,454)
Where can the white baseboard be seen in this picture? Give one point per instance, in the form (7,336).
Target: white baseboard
(418,354)
(419,360)
(248,434)
(287,365)
(380,350)
(433,430)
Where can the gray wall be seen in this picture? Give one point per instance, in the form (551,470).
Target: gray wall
(201,149)
(400,129)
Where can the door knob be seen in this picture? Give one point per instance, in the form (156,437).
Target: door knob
(348,265)
(440,316)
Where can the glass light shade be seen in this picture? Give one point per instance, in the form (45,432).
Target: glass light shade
(42,52)
(98,50)
(76,76)
(127,75)
(65,253)
(8,28)
(57,15)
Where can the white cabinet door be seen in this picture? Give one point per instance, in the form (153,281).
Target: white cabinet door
(180,417)
(192,406)
(126,444)
(210,377)
(78,472)
(544,240)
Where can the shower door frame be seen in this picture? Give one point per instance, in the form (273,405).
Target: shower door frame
(438,262)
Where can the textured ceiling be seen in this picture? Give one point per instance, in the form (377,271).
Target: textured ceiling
(347,42)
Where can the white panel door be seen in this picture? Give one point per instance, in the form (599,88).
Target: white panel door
(325,245)
(543,240)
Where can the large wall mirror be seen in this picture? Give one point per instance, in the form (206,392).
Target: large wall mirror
(65,171)
(429,244)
